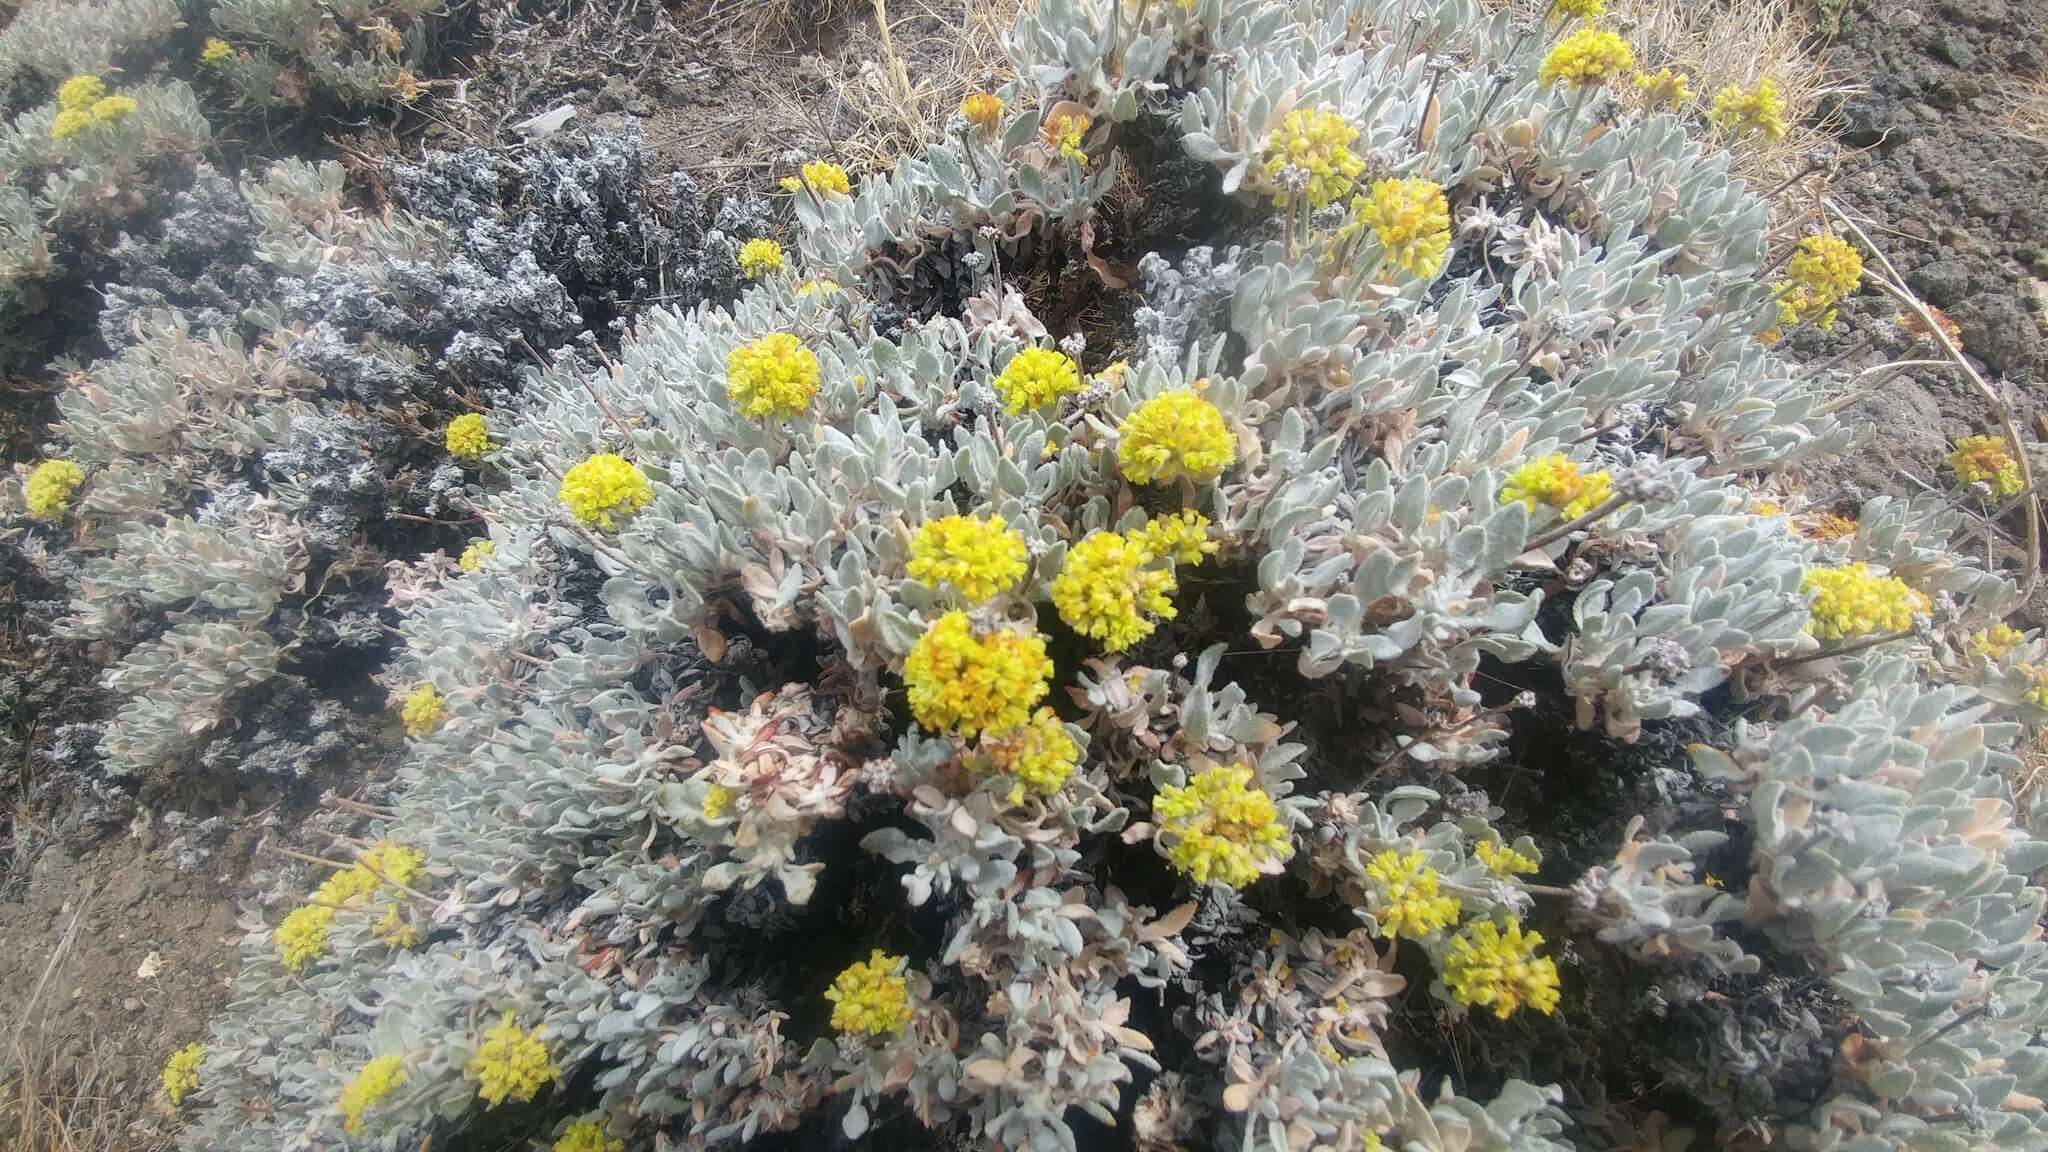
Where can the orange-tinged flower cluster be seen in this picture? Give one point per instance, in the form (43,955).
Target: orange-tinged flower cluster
(1412,222)
(1984,460)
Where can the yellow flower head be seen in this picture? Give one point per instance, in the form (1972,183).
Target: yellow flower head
(50,487)
(474,556)
(70,122)
(871,997)
(1036,377)
(1996,642)
(1412,221)
(1760,110)
(825,178)
(1403,896)
(107,109)
(772,378)
(372,1084)
(394,862)
(1502,860)
(1587,10)
(587,1135)
(1664,88)
(1850,601)
(422,710)
(467,438)
(1041,755)
(181,1072)
(966,685)
(1218,830)
(1760,507)
(217,52)
(1588,56)
(395,930)
(302,935)
(1984,460)
(1824,269)
(979,558)
(1183,536)
(1489,968)
(760,256)
(984,110)
(80,93)
(604,489)
(1109,589)
(1554,481)
(1064,133)
(717,801)
(2037,690)
(1315,141)
(510,1064)
(1171,435)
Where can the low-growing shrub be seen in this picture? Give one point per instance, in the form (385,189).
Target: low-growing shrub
(1367,697)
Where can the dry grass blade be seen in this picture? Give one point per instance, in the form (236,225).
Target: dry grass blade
(950,47)
(45,1105)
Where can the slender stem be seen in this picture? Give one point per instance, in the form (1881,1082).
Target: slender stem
(1895,286)
(1841,650)
(1570,526)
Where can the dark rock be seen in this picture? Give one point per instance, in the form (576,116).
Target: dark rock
(1943,283)
(1998,330)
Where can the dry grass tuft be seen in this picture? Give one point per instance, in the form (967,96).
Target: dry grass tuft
(918,58)
(1739,43)
(46,1106)
(2028,113)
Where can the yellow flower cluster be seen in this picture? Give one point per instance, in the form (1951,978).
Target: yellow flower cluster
(1502,860)
(871,997)
(1171,435)
(467,438)
(1183,536)
(1850,601)
(1758,109)
(1588,56)
(717,801)
(1555,481)
(979,558)
(605,488)
(1036,377)
(82,101)
(2037,690)
(372,1084)
(1064,133)
(474,556)
(966,684)
(511,1063)
(1825,525)
(1984,460)
(181,1072)
(1110,588)
(49,489)
(760,256)
(1996,642)
(1587,10)
(394,929)
(216,53)
(1664,88)
(1403,895)
(302,934)
(984,110)
(822,177)
(1411,220)
(1219,830)
(1489,968)
(587,1135)
(422,711)
(772,378)
(1824,269)
(1316,141)
(1041,755)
